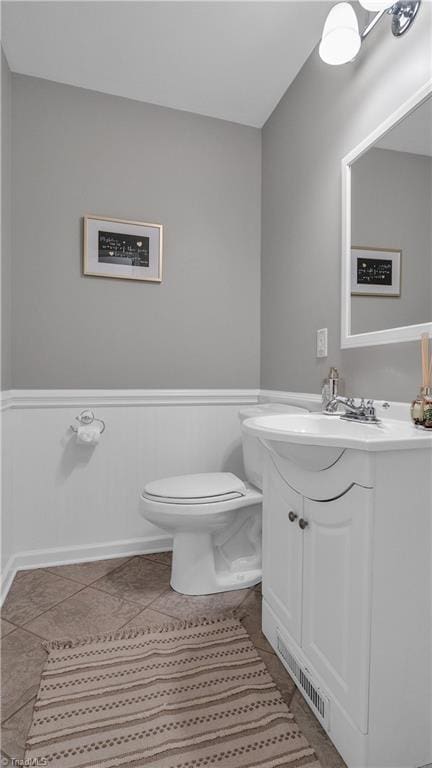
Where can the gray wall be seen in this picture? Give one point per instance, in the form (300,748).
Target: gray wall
(6,260)
(325,113)
(77,151)
(391,207)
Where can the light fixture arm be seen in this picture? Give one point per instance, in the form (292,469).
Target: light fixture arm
(372,24)
(403,13)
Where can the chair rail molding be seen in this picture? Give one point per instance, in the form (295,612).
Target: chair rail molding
(60,398)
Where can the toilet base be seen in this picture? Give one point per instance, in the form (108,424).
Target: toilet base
(205,563)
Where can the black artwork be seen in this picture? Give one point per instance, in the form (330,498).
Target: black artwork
(374,271)
(129,250)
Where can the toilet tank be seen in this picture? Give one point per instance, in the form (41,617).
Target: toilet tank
(252,449)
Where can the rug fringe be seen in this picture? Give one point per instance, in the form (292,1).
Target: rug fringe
(128,634)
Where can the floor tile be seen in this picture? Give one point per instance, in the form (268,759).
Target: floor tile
(86,573)
(15,730)
(252,621)
(148,618)
(139,581)
(6,627)
(23,658)
(119,597)
(90,612)
(160,557)
(187,607)
(279,674)
(33,592)
(327,754)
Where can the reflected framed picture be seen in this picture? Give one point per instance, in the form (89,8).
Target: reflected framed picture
(119,248)
(375,271)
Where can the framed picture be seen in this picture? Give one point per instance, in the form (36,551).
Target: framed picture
(375,271)
(130,250)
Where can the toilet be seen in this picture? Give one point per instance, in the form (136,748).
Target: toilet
(215,519)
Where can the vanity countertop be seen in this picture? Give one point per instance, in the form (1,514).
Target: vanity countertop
(331,431)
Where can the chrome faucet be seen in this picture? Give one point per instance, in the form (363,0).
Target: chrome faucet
(364,412)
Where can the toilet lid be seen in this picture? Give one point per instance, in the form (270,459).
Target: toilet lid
(197,489)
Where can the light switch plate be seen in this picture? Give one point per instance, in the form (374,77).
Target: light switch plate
(321,343)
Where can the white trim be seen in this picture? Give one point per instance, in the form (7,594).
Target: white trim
(48,398)
(7,578)
(302,399)
(45,558)
(5,400)
(390,335)
(61,398)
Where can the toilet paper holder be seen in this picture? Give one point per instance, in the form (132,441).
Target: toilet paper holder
(87,417)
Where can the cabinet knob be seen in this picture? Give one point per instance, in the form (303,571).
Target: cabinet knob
(303,523)
(292,516)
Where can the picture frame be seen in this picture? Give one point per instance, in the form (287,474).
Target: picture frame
(122,249)
(375,271)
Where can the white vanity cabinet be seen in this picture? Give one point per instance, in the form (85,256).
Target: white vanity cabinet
(346,588)
(336,596)
(283,554)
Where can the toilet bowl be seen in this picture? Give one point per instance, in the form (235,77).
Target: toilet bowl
(215,520)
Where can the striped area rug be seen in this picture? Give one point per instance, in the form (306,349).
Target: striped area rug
(185,695)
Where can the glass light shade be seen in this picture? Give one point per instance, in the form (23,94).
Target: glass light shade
(341,40)
(375,6)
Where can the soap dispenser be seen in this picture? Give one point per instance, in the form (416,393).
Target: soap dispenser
(330,387)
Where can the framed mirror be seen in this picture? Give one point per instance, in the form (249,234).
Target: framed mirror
(387,229)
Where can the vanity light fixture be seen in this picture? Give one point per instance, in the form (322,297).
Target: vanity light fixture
(341,39)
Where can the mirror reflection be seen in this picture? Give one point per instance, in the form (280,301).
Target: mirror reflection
(391,227)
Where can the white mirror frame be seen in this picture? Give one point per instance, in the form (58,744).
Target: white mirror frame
(389,335)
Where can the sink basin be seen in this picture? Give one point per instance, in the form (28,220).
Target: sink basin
(317,429)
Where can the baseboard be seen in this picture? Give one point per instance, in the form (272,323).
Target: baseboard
(9,572)
(42,558)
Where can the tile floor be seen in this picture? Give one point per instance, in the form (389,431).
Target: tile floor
(92,598)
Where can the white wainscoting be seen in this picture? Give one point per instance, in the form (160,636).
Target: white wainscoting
(64,502)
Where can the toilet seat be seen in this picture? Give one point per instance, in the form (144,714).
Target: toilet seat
(203,488)
(169,510)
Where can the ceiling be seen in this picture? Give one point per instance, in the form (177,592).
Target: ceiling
(231,60)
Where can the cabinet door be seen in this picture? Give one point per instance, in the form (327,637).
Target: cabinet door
(336,598)
(282,551)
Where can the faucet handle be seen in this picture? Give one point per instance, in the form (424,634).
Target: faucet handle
(370,410)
